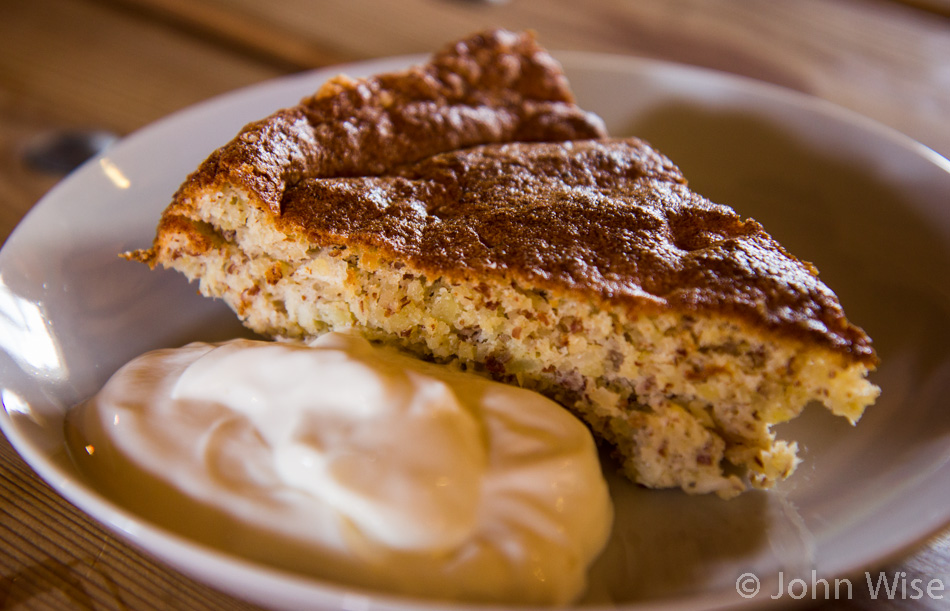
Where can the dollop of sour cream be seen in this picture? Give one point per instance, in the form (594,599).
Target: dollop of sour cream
(353,463)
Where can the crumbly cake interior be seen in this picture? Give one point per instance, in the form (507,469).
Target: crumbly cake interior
(684,400)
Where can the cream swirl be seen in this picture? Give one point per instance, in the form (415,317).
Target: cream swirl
(353,463)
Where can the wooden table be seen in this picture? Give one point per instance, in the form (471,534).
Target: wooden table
(117,65)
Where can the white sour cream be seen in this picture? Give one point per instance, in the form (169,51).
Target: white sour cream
(355,464)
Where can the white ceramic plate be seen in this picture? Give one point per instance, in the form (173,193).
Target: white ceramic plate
(868,206)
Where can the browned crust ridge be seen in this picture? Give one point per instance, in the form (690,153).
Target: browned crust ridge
(496,86)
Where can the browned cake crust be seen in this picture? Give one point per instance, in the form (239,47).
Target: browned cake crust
(497,86)
(359,162)
(612,220)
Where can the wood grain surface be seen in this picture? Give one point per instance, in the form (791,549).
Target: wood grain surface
(117,65)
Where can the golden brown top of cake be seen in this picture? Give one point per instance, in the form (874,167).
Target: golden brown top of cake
(608,220)
(478,165)
(497,86)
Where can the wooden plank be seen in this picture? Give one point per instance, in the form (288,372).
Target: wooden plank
(84,65)
(258,39)
(939,7)
(75,64)
(55,557)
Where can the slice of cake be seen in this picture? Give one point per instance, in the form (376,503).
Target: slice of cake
(467,211)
